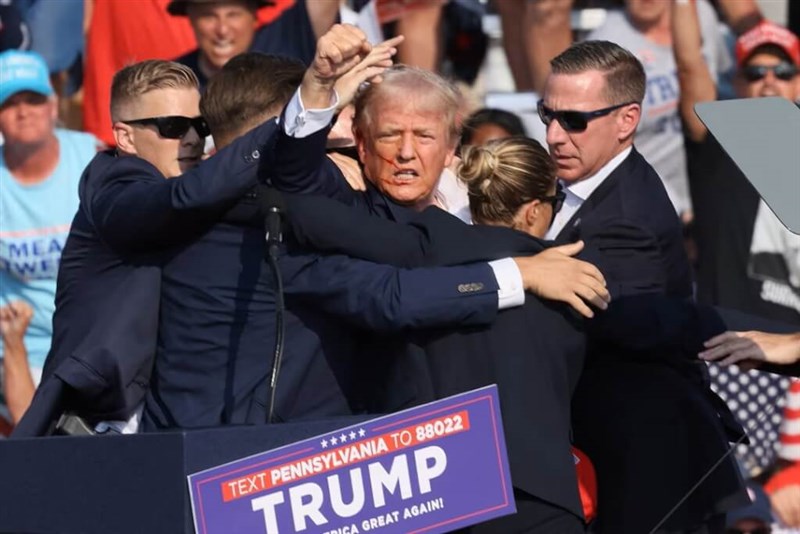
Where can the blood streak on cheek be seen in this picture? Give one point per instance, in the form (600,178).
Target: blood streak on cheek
(390,162)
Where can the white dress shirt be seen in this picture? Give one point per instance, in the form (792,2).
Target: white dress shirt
(578,192)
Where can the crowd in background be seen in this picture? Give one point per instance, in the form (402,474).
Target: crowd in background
(743,258)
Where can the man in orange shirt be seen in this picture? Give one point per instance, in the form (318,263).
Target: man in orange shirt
(112,42)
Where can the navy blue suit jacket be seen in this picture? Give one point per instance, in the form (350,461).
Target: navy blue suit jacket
(107,300)
(641,323)
(536,374)
(217,326)
(632,234)
(652,427)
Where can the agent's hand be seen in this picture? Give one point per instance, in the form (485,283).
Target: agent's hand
(751,349)
(555,275)
(338,51)
(350,169)
(368,70)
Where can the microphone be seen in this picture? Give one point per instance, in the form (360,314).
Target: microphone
(273,206)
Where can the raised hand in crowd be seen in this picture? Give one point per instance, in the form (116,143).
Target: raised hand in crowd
(753,348)
(555,275)
(338,51)
(17,380)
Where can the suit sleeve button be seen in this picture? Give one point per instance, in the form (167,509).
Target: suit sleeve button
(470,288)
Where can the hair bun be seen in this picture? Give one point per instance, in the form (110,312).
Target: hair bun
(490,161)
(478,167)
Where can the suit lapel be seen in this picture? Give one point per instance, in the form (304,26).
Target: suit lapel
(570,230)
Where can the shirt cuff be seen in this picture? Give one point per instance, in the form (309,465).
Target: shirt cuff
(511,292)
(301,122)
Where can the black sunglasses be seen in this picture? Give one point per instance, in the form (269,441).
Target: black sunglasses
(573,121)
(783,71)
(174,126)
(557,201)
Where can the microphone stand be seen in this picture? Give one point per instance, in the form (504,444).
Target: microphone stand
(273,238)
(766,413)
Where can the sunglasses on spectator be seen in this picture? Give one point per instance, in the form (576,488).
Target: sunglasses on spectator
(556,201)
(573,121)
(782,71)
(174,126)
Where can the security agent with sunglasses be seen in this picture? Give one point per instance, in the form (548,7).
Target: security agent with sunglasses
(731,263)
(136,202)
(630,409)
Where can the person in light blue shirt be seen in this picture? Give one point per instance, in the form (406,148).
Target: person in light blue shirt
(40,167)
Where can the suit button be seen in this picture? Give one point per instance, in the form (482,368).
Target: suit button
(256,154)
(470,288)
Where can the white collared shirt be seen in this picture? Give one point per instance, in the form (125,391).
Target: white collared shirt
(302,122)
(578,192)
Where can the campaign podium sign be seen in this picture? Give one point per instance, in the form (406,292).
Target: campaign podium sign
(433,468)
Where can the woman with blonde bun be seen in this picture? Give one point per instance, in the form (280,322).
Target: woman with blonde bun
(511,182)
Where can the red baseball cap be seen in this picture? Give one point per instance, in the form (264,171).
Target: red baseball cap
(767,33)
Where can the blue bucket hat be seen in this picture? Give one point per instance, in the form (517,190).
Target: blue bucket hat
(23,71)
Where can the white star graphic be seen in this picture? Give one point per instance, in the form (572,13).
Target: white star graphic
(343,438)
(334,441)
(352,435)
(324,443)
(361,433)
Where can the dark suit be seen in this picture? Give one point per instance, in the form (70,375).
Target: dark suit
(651,426)
(535,373)
(217,325)
(640,322)
(107,301)
(635,238)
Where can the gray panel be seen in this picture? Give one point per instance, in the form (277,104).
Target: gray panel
(762,136)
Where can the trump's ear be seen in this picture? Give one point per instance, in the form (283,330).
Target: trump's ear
(361,144)
(628,120)
(124,137)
